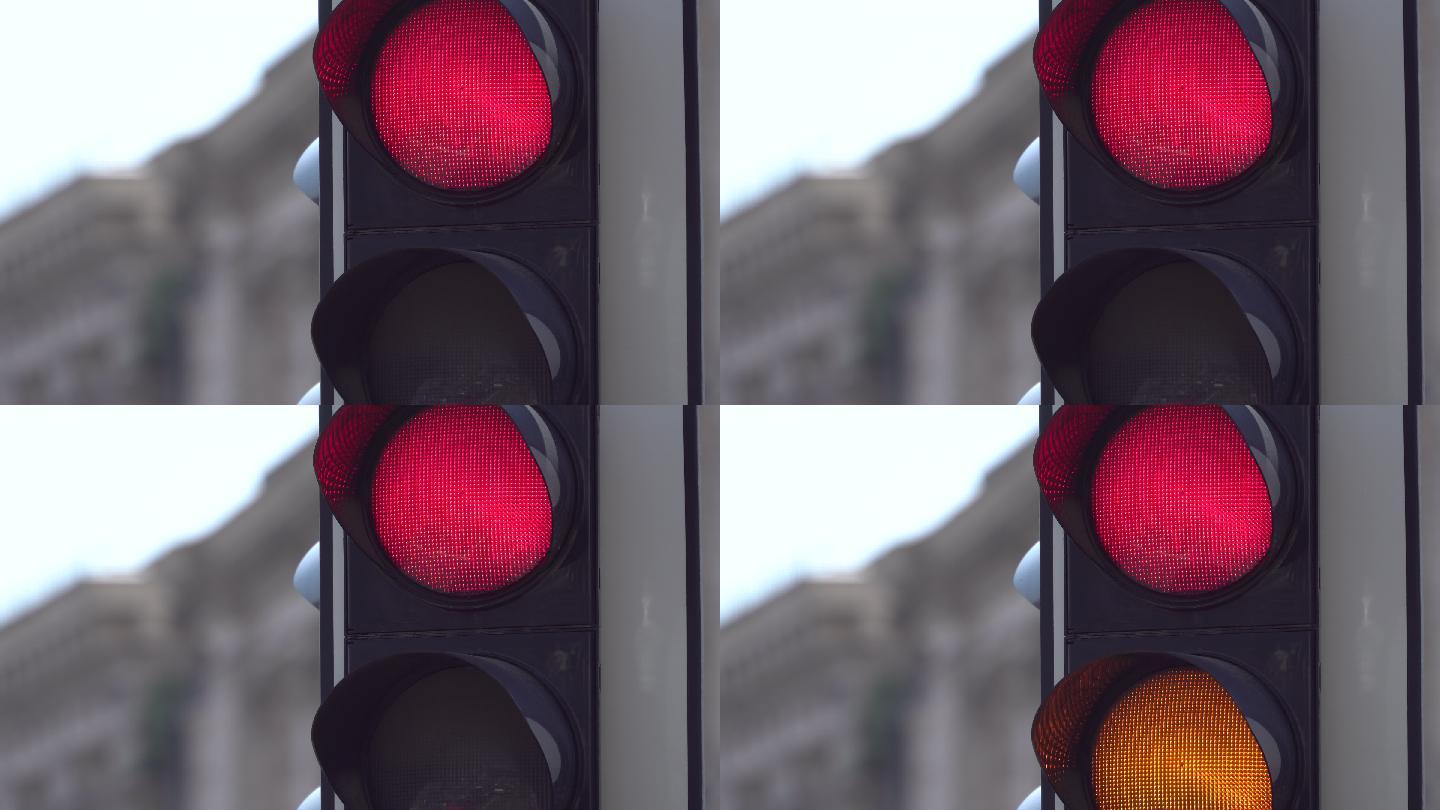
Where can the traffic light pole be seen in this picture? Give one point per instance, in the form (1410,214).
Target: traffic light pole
(1370,321)
(1369,609)
(659,162)
(659,579)
(1371,380)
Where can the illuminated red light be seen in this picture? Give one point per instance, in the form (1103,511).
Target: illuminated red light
(1178,97)
(459,100)
(458,502)
(1178,501)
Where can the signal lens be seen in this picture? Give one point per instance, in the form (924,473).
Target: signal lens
(1178,97)
(459,504)
(455,334)
(1179,503)
(1175,334)
(456,739)
(459,99)
(1177,739)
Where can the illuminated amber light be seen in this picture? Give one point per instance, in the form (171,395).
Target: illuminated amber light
(1177,741)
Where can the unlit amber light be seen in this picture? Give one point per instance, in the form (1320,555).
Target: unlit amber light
(1177,741)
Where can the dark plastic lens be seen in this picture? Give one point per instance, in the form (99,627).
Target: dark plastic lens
(456,741)
(455,334)
(1175,334)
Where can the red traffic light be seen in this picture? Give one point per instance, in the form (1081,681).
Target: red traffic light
(1145,730)
(460,100)
(459,96)
(462,501)
(1179,99)
(1182,501)
(1183,96)
(1179,503)
(459,503)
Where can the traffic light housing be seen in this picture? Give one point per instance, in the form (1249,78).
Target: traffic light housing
(460,248)
(1190,613)
(470,617)
(1189,198)
(463,102)
(469,271)
(1182,204)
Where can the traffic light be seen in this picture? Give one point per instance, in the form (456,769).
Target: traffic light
(1199,567)
(470,615)
(1189,202)
(467,270)
(1190,611)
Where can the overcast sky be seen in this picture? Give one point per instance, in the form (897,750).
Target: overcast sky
(98,84)
(805,84)
(106,489)
(821,489)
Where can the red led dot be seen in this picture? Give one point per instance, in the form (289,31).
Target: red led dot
(1179,503)
(1179,99)
(459,100)
(459,504)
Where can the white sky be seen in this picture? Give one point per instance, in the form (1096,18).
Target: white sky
(99,489)
(103,85)
(805,84)
(821,84)
(818,489)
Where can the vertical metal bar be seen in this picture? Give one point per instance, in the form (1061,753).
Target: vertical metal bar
(1364,612)
(644,711)
(1364,245)
(1414,601)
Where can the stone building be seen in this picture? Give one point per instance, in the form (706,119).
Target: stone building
(909,279)
(188,279)
(189,685)
(908,685)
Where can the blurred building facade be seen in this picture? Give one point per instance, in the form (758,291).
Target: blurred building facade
(909,279)
(189,279)
(908,685)
(187,686)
